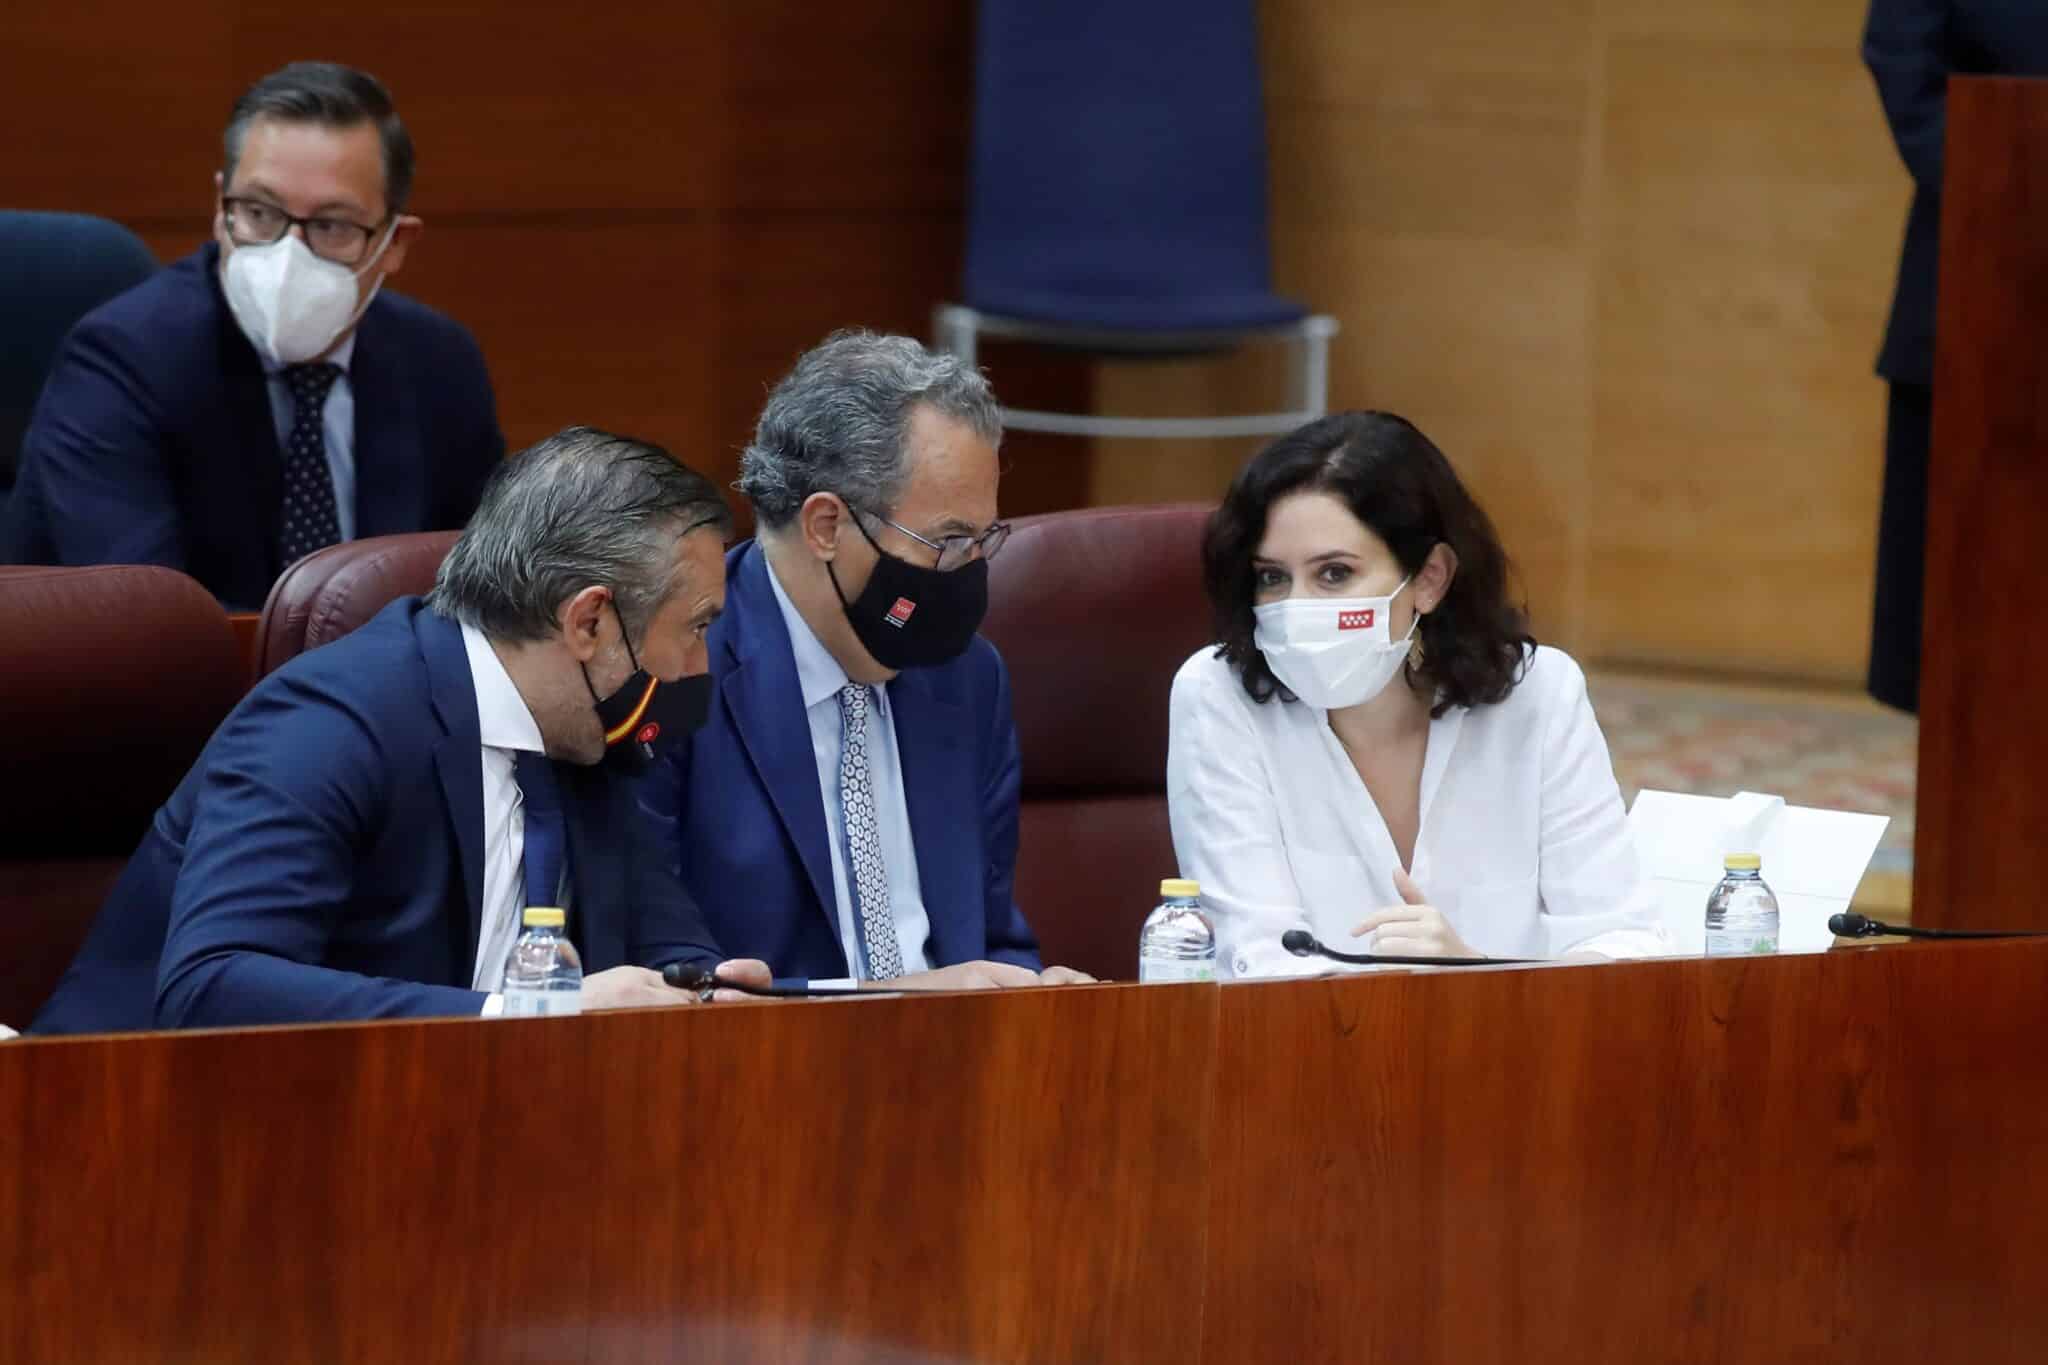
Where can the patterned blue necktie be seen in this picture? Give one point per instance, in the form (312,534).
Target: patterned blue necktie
(309,520)
(876,922)
(547,833)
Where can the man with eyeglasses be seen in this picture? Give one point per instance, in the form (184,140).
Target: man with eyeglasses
(262,399)
(849,808)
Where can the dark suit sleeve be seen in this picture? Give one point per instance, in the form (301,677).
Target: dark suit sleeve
(666,924)
(660,797)
(97,442)
(1009,938)
(1905,46)
(296,788)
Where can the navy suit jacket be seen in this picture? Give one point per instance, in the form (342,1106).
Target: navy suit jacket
(1912,47)
(153,441)
(744,820)
(324,858)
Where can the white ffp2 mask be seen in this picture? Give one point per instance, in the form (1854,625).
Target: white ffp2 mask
(290,303)
(1332,652)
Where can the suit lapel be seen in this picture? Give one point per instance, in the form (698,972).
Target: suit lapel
(458,757)
(935,744)
(761,691)
(253,462)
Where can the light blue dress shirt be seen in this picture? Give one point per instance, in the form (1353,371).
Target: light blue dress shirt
(820,677)
(338,429)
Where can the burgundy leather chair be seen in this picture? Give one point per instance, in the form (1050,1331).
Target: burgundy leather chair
(111,681)
(1094,611)
(332,591)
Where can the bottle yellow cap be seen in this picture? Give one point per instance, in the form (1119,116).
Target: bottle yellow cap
(544,917)
(1742,862)
(1177,887)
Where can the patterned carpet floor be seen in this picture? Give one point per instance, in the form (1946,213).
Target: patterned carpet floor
(1835,750)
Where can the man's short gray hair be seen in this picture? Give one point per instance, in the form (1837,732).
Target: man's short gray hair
(837,422)
(582,508)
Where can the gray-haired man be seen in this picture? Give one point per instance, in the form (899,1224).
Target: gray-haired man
(849,808)
(360,837)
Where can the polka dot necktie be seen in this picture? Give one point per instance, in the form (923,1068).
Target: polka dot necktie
(876,921)
(309,522)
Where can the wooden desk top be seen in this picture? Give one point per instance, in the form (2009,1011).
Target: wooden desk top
(1680,1160)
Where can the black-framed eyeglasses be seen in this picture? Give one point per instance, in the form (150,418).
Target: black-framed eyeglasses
(254,222)
(954,551)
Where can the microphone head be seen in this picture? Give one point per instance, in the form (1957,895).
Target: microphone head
(686,976)
(1300,942)
(1848,924)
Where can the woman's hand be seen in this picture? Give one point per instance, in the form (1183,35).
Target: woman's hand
(1414,928)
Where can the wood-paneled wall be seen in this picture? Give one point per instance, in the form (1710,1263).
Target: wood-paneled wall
(643,212)
(1628,262)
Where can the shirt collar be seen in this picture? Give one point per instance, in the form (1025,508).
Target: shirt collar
(340,355)
(818,674)
(502,720)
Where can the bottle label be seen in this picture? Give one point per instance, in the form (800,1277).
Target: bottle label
(1177,969)
(1724,943)
(536,1004)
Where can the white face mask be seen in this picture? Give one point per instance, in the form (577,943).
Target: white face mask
(290,303)
(1332,652)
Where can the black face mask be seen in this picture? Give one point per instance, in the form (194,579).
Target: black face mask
(909,616)
(646,712)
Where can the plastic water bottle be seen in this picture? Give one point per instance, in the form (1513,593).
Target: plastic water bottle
(1742,914)
(1178,942)
(544,975)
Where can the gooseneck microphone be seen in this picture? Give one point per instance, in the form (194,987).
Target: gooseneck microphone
(1302,943)
(1849,924)
(688,976)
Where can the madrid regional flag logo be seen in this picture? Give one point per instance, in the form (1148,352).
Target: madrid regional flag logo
(1355,620)
(899,615)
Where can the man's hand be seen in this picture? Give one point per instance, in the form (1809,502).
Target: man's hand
(747,971)
(963,976)
(629,988)
(1414,928)
(632,988)
(1064,976)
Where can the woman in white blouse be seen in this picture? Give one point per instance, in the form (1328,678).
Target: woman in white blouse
(1377,751)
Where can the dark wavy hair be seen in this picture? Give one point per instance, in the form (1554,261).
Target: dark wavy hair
(1475,645)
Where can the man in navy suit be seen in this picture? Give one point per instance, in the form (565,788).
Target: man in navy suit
(849,808)
(262,398)
(1912,47)
(360,837)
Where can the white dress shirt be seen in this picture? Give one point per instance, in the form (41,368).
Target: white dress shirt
(820,677)
(505,727)
(337,429)
(1522,843)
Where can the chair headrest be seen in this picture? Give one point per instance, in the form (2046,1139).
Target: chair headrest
(115,678)
(332,591)
(1094,611)
(54,269)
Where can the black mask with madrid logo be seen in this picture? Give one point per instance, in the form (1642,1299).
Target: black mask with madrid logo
(909,616)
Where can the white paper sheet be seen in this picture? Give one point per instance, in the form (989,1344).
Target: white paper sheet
(1813,859)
